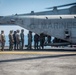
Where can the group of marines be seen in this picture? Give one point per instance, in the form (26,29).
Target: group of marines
(16,40)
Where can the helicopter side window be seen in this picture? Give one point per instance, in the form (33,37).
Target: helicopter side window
(67,34)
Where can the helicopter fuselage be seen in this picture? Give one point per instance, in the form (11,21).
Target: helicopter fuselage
(59,26)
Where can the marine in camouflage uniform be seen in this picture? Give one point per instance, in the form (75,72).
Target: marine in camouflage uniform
(18,39)
(11,40)
(2,40)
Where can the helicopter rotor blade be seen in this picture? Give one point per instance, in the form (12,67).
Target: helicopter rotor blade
(61,6)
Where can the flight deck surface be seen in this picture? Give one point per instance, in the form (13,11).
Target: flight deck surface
(37,63)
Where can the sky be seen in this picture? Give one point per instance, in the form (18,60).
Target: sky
(10,7)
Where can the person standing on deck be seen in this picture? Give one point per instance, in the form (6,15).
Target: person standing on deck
(11,40)
(15,42)
(30,40)
(22,39)
(36,41)
(18,39)
(2,40)
(42,40)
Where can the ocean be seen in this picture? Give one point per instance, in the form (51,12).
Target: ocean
(25,42)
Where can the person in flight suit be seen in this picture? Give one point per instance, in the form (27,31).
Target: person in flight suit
(2,40)
(42,40)
(49,39)
(36,41)
(22,39)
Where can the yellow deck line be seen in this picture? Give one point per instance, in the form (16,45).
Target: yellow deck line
(34,52)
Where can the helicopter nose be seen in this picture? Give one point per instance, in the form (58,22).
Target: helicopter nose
(6,20)
(1,16)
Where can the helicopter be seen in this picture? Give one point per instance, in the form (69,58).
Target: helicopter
(57,23)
